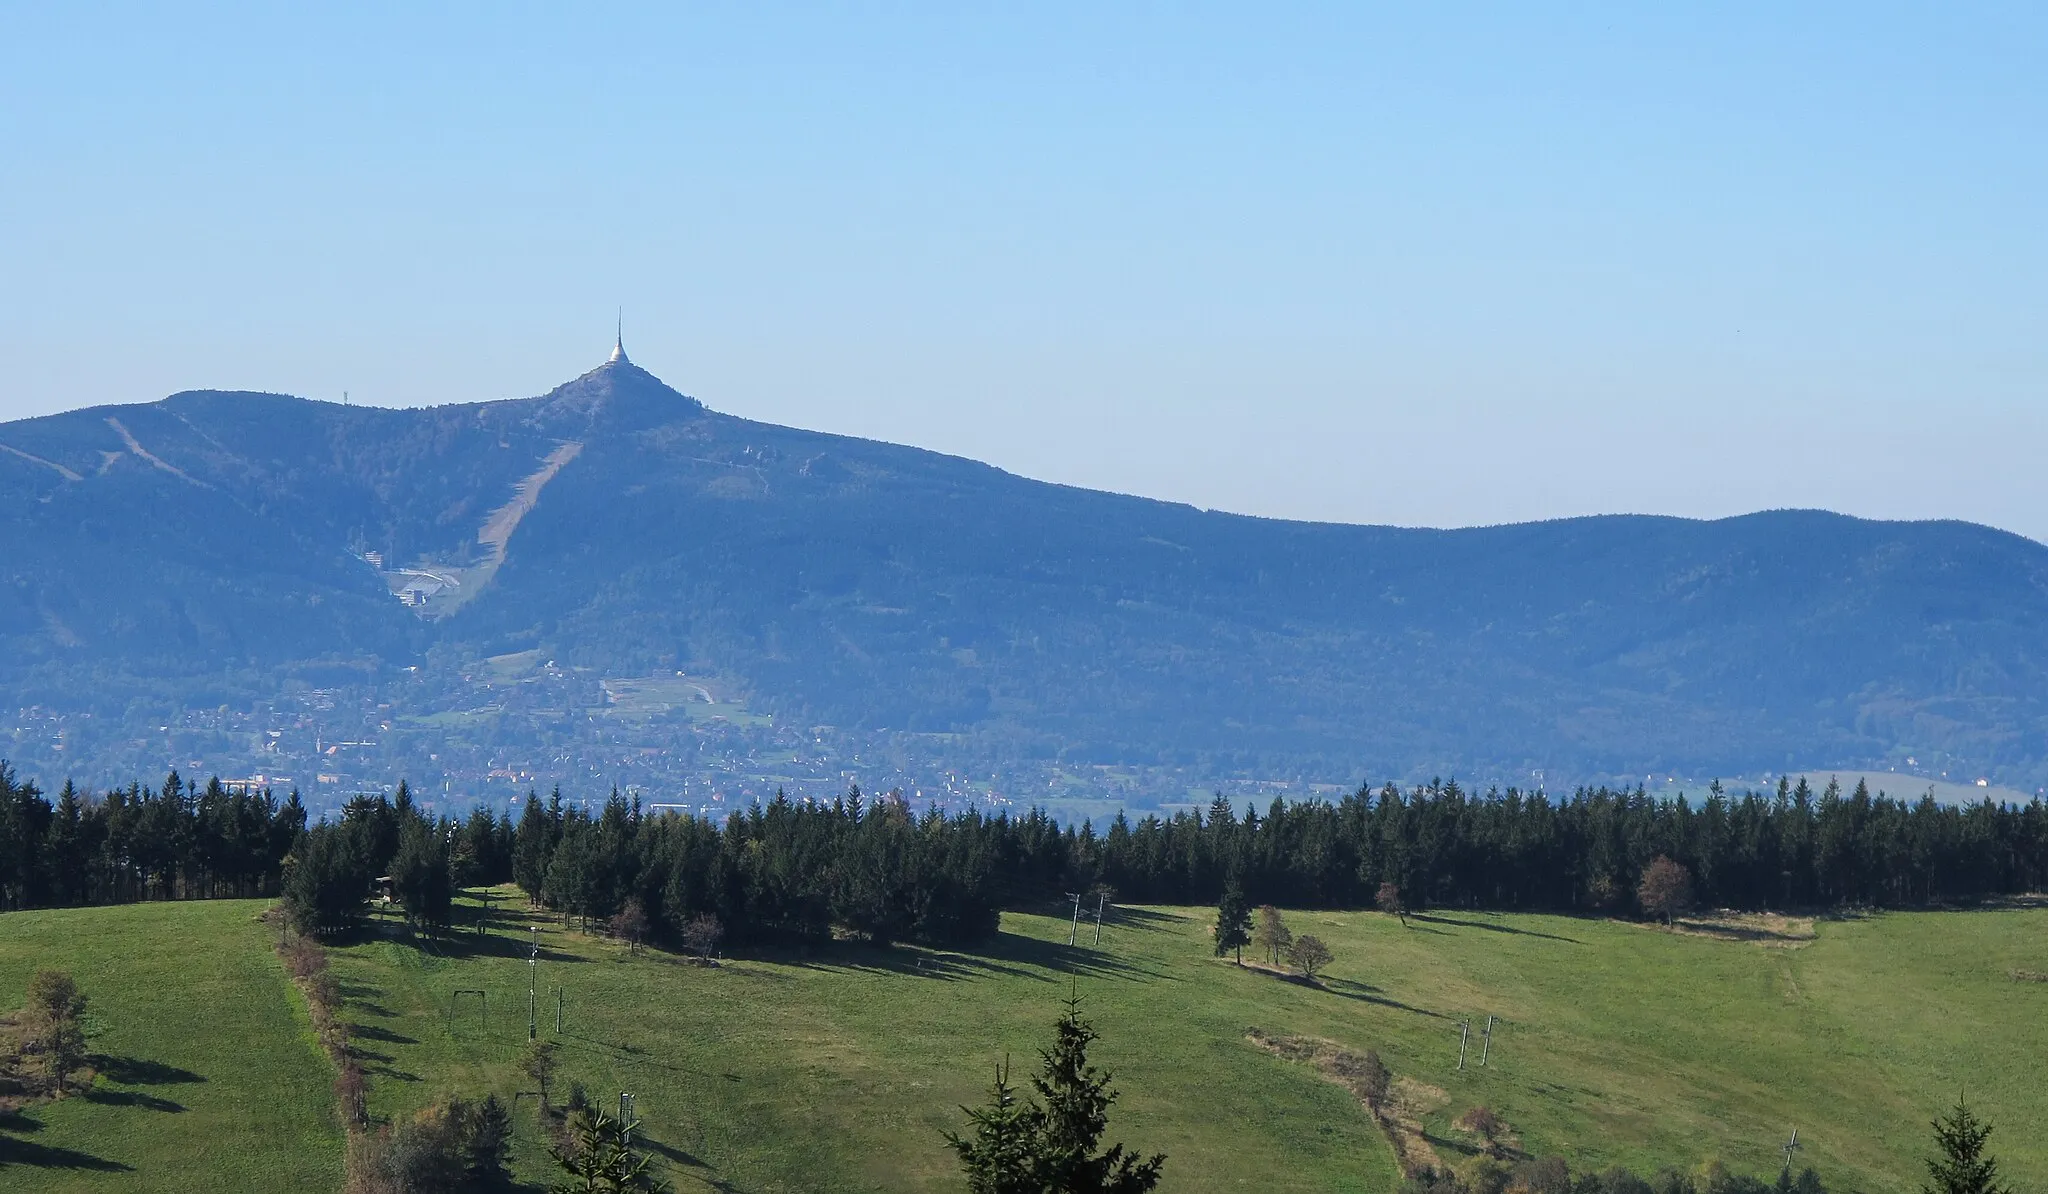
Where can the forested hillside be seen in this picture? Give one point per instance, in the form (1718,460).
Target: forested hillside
(210,547)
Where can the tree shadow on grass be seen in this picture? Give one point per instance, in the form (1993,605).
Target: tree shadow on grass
(134,1071)
(464,946)
(676,1156)
(132,1098)
(1143,917)
(1431,918)
(624,1054)
(360,995)
(1010,955)
(16,1151)
(370,1032)
(1367,993)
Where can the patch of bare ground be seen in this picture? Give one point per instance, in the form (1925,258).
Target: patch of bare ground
(1397,1105)
(1771,930)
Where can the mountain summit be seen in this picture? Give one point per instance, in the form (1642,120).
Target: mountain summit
(216,549)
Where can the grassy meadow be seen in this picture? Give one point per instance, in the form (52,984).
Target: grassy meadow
(836,1069)
(210,1079)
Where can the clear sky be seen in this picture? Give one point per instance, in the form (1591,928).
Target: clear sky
(1433,264)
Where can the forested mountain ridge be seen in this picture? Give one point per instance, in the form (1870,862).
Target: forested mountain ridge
(213,545)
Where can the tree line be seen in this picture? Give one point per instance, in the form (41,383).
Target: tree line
(796,870)
(177,841)
(1444,847)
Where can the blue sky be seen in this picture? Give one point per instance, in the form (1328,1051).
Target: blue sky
(1432,265)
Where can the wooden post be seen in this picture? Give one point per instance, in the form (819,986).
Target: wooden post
(1464,1033)
(1486,1044)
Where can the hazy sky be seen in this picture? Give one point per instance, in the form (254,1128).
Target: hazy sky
(1436,265)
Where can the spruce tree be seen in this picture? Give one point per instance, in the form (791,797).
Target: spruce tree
(1076,1098)
(598,1160)
(487,1145)
(1233,923)
(1962,1167)
(1001,1155)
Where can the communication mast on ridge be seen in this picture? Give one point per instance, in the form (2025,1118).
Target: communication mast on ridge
(618,356)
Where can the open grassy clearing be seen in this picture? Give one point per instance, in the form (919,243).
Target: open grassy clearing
(211,1080)
(1619,1042)
(835,1070)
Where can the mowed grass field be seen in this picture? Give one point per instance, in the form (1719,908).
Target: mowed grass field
(211,1079)
(838,1068)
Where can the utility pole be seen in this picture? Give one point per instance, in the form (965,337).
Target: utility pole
(627,1122)
(1790,1146)
(532,990)
(1101,901)
(1486,1044)
(1464,1033)
(1074,934)
(558,1011)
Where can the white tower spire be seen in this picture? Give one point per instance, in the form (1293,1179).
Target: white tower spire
(618,356)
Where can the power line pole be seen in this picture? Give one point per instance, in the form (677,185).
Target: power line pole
(558,1011)
(1074,934)
(1464,1034)
(532,989)
(1101,902)
(1790,1146)
(1486,1044)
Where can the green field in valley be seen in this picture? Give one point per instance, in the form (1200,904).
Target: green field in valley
(837,1069)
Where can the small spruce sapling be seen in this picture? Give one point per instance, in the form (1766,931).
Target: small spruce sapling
(1961,1166)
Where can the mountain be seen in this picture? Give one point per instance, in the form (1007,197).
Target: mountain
(217,553)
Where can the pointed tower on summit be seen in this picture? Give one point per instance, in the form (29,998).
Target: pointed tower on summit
(618,356)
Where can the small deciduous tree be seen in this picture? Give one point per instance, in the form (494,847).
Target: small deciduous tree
(1483,1122)
(352,1091)
(1233,923)
(538,1063)
(1665,890)
(1309,955)
(56,1032)
(1374,1079)
(1272,935)
(1389,900)
(1961,1166)
(630,922)
(702,935)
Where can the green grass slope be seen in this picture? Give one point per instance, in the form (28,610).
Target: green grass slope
(1618,1043)
(211,1080)
(836,1070)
